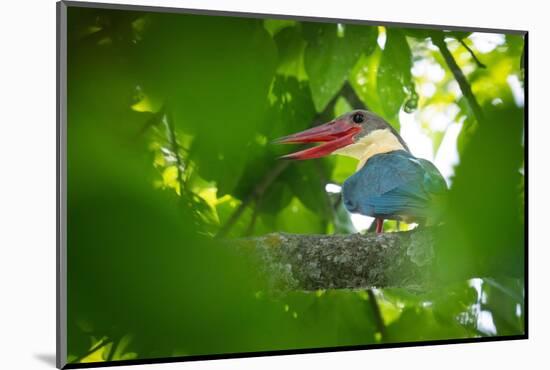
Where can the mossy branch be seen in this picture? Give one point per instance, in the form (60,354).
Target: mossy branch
(355,261)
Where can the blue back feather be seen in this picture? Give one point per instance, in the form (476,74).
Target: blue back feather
(393,185)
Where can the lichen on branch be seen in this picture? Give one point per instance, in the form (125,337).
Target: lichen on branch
(354,261)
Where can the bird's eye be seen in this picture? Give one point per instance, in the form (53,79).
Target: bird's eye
(358,118)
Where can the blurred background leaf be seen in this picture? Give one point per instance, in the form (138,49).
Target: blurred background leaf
(395,83)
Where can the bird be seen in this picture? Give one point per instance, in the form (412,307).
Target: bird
(390,183)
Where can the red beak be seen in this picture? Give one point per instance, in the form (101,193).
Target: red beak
(335,134)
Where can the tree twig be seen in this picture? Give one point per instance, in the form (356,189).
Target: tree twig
(465,87)
(154,120)
(250,229)
(257,192)
(175,148)
(474,57)
(348,92)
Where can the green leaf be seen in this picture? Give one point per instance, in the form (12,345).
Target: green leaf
(294,218)
(291,48)
(394,73)
(305,179)
(292,110)
(420,324)
(342,106)
(364,79)
(276,198)
(274,26)
(417,33)
(486,190)
(503,296)
(331,53)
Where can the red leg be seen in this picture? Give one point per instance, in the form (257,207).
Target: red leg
(379,225)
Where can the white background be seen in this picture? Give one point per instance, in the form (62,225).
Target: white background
(27,182)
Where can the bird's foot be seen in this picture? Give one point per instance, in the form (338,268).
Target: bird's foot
(379,225)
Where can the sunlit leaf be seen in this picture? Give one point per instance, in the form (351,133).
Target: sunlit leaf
(394,73)
(343,44)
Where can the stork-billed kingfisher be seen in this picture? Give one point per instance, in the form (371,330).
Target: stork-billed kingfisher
(390,182)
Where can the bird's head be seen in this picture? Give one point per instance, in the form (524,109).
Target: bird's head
(359,134)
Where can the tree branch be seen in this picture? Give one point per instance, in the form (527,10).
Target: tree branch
(257,192)
(175,148)
(351,96)
(311,262)
(474,57)
(252,224)
(465,87)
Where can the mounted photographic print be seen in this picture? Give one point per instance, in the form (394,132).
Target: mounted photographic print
(234,185)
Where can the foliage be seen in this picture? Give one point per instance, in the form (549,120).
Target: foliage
(170,119)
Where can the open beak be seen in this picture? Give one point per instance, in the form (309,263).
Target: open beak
(335,134)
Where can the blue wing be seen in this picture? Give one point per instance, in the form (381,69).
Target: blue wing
(393,185)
